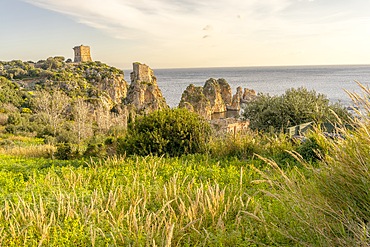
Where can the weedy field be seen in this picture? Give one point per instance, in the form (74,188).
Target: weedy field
(194,200)
(126,201)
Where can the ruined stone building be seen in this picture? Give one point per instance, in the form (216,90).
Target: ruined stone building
(82,54)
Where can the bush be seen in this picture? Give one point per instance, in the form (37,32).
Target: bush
(173,132)
(66,151)
(95,150)
(240,146)
(10,92)
(311,150)
(295,106)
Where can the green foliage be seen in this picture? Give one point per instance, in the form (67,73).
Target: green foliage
(173,132)
(95,150)
(66,151)
(326,204)
(10,93)
(21,123)
(75,79)
(310,150)
(191,200)
(251,144)
(295,106)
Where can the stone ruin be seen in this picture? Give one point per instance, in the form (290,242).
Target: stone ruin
(82,54)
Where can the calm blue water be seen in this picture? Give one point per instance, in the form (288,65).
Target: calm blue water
(328,80)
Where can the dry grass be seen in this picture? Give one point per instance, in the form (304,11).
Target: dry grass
(31,151)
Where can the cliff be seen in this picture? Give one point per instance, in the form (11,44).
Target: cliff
(111,88)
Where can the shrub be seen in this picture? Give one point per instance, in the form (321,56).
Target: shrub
(95,150)
(240,146)
(173,132)
(295,106)
(66,151)
(10,92)
(310,150)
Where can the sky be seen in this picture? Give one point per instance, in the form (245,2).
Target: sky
(189,33)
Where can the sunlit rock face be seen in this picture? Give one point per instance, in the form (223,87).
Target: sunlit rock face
(241,97)
(213,97)
(194,100)
(212,91)
(144,93)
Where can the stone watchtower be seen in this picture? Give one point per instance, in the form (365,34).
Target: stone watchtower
(82,54)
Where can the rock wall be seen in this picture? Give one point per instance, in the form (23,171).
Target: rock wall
(248,95)
(144,93)
(142,73)
(235,103)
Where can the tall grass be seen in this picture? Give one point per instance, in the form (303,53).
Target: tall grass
(327,204)
(246,145)
(24,146)
(32,151)
(135,201)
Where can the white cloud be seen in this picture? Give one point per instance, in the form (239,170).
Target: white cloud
(240,29)
(161,19)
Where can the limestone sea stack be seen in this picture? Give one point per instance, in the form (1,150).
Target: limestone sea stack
(194,100)
(213,97)
(240,98)
(144,93)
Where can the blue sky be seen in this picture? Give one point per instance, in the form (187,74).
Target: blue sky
(189,33)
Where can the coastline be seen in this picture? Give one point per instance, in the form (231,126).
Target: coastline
(330,80)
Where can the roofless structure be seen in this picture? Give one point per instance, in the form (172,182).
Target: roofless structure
(82,54)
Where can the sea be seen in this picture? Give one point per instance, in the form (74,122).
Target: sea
(330,80)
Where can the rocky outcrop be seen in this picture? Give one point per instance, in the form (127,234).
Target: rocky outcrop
(225,91)
(237,97)
(248,95)
(213,97)
(212,91)
(194,100)
(240,98)
(144,93)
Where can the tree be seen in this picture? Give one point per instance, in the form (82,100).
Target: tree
(52,107)
(173,132)
(82,119)
(295,106)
